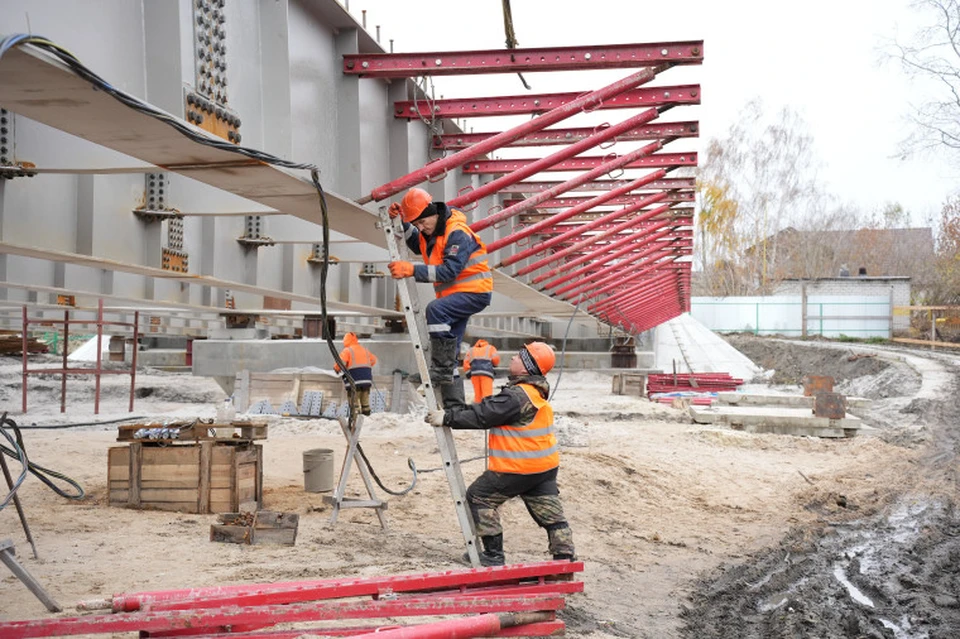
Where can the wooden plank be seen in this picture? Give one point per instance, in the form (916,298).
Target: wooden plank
(187,496)
(136,463)
(203,492)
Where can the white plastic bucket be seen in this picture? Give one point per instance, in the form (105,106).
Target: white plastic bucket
(318,470)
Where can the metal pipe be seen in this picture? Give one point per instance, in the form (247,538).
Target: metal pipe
(537,166)
(438,168)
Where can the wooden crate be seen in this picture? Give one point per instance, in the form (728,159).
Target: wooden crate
(204,477)
(262,527)
(630,384)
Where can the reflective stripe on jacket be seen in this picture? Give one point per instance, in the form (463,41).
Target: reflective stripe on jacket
(481,359)
(529,449)
(475,276)
(359,362)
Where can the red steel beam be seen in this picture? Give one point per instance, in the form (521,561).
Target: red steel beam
(588,216)
(602,256)
(559,217)
(351,587)
(616,56)
(650,255)
(551,137)
(563,228)
(638,291)
(640,265)
(270,615)
(688,94)
(625,200)
(601,185)
(558,157)
(578,232)
(655,161)
(440,167)
(562,187)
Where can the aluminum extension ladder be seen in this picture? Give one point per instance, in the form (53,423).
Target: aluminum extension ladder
(393,227)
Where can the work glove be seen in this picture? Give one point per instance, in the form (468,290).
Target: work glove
(394,210)
(434,417)
(400,270)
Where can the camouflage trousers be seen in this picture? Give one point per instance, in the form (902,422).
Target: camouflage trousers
(540,495)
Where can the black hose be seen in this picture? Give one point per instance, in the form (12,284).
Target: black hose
(41,473)
(79,424)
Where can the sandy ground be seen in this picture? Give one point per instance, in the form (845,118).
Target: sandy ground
(658,504)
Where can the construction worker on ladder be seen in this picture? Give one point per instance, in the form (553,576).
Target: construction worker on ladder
(455,260)
(479,364)
(360,363)
(523,456)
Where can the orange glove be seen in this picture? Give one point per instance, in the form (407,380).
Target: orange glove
(400,270)
(394,209)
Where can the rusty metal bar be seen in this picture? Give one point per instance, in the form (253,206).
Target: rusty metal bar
(617,56)
(440,167)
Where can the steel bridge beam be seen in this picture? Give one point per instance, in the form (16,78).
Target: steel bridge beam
(673,183)
(617,56)
(551,137)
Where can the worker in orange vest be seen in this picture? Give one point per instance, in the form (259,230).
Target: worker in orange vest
(479,364)
(455,261)
(523,456)
(359,362)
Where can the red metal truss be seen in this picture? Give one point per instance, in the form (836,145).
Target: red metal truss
(655,161)
(624,200)
(559,217)
(632,268)
(585,241)
(411,65)
(439,168)
(551,137)
(672,183)
(563,228)
(680,95)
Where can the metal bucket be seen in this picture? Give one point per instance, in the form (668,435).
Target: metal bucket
(318,470)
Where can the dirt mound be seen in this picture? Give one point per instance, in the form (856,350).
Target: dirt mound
(790,361)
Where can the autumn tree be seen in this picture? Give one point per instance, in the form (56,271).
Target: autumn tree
(756,181)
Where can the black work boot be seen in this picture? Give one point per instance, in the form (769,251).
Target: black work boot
(452,394)
(443,359)
(492,554)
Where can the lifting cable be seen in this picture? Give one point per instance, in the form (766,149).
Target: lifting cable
(18,453)
(511,36)
(74,64)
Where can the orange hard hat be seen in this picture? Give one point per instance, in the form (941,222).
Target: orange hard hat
(413,203)
(541,354)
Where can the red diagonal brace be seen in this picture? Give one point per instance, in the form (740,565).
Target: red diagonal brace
(550,137)
(412,65)
(656,161)
(656,258)
(601,185)
(604,255)
(580,229)
(441,166)
(625,200)
(688,94)
(652,255)
(545,164)
(559,217)
(562,187)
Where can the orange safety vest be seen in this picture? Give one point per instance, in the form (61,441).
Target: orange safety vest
(525,450)
(475,276)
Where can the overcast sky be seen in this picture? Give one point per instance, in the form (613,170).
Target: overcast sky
(822,58)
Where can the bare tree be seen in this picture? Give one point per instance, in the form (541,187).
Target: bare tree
(934,55)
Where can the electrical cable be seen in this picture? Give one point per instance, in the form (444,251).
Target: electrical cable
(41,473)
(563,348)
(135,103)
(79,424)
